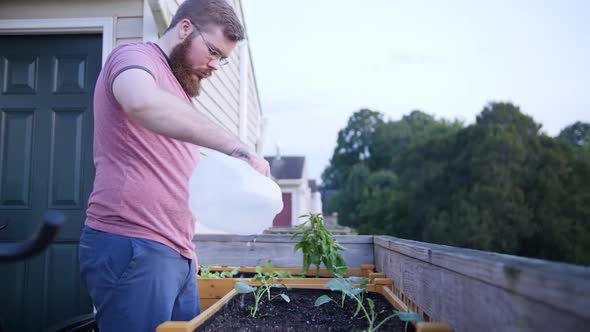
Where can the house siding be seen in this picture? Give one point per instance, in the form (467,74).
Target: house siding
(129,29)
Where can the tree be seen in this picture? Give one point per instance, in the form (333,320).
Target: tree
(383,205)
(497,185)
(350,196)
(352,147)
(483,203)
(393,139)
(577,134)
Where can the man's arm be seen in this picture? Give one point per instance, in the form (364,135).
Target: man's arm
(165,114)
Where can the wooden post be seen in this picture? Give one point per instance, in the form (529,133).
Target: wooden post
(367,269)
(374,275)
(433,327)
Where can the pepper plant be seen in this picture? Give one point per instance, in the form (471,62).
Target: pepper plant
(319,246)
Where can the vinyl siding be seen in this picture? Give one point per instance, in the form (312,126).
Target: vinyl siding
(129,29)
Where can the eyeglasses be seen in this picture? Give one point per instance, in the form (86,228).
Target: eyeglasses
(214,52)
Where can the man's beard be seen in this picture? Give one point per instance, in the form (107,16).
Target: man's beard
(183,70)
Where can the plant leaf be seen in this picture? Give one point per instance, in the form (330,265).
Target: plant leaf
(357,280)
(409,316)
(356,291)
(243,287)
(322,300)
(337,285)
(371,305)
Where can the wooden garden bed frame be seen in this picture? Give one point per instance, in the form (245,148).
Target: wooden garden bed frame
(212,290)
(376,285)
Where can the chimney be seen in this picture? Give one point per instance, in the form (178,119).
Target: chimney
(278,156)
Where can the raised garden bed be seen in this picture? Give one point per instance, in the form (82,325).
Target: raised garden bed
(468,289)
(301,314)
(344,254)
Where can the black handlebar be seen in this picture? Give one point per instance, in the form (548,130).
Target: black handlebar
(36,244)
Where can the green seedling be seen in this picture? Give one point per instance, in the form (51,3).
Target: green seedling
(267,277)
(409,317)
(205,272)
(243,287)
(348,288)
(318,246)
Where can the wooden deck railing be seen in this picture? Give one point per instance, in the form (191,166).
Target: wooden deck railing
(482,291)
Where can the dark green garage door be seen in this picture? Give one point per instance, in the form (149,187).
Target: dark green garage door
(46,126)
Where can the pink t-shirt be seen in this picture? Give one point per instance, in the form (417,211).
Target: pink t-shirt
(141,184)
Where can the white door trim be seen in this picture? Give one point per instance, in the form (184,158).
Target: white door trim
(64,25)
(150,28)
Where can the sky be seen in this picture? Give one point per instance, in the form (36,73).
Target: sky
(317,62)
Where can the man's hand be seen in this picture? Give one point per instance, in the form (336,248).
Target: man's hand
(259,164)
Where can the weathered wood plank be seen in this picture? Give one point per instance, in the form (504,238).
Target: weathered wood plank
(178,326)
(357,272)
(272,238)
(482,291)
(253,250)
(216,288)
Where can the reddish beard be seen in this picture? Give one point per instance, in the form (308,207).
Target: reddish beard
(182,68)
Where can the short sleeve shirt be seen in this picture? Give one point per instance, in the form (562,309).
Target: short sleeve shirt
(141,184)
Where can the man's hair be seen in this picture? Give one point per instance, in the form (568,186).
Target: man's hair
(207,13)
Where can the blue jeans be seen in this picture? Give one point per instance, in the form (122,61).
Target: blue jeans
(136,284)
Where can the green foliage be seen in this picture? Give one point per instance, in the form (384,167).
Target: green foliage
(349,288)
(352,146)
(499,184)
(205,272)
(243,287)
(318,246)
(392,139)
(351,195)
(267,278)
(577,134)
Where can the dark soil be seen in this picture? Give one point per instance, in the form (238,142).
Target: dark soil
(300,314)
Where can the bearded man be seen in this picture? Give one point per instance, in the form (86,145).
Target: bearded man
(136,256)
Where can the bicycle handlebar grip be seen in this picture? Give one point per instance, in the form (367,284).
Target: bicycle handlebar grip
(36,244)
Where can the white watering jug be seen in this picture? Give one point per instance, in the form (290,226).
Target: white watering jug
(227,195)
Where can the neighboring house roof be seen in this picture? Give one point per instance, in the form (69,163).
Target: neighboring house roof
(313,186)
(286,167)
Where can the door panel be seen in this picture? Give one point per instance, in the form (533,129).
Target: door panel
(46,129)
(283,219)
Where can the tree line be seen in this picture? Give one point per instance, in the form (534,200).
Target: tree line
(499,184)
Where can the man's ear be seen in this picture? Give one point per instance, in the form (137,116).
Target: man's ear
(184,28)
